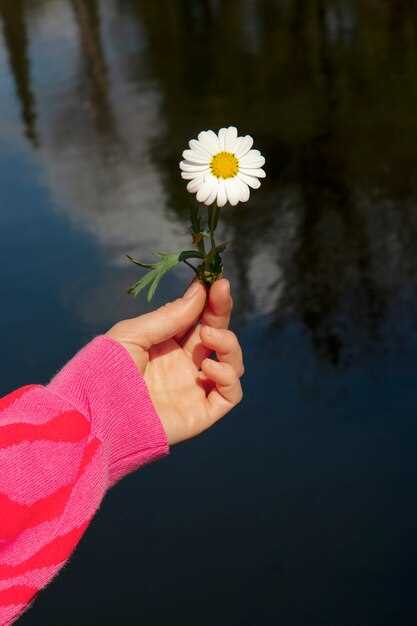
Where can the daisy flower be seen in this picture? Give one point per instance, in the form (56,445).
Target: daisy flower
(222,167)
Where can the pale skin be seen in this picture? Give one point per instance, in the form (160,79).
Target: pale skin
(172,348)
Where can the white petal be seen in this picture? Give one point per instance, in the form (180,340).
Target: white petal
(186,166)
(252,159)
(222,135)
(253,172)
(196,157)
(232,191)
(221,194)
(253,153)
(254,164)
(249,180)
(191,175)
(194,185)
(210,141)
(205,190)
(243,145)
(212,196)
(198,147)
(244,192)
(230,139)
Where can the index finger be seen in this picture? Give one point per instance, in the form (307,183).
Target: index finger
(219,305)
(216,314)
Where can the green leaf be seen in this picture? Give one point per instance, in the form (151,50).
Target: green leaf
(142,283)
(190,254)
(155,284)
(217,249)
(157,272)
(167,261)
(145,265)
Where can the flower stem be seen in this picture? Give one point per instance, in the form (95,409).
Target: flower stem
(196,229)
(202,246)
(211,267)
(213,221)
(211,227)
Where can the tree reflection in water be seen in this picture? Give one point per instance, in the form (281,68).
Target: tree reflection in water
(328,88)
(16,42)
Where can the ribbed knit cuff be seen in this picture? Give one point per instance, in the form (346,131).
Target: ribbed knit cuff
(103,383)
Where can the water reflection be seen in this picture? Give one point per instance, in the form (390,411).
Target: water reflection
(16,42)
(309,518)
(87,16)
(327,88)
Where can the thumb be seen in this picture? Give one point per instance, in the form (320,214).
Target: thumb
(171,319)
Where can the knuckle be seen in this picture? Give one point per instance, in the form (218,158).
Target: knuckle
(230,341)
(236,343)
(229,374)
(209,319)
(229,371)
(230,336)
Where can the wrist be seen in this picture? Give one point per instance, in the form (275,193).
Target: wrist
(139,356)
(103,382)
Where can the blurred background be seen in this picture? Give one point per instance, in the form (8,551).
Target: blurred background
(300,508)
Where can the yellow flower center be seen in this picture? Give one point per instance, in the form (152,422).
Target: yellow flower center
(224,165)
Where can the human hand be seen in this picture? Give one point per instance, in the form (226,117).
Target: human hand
(171,348)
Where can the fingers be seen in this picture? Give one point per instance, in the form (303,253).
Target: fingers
(226,346)
(227,392)
(216,315)
(221,374)
(164,323)
(219,305)
(224,373)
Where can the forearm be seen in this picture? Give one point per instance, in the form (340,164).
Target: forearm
(61,447)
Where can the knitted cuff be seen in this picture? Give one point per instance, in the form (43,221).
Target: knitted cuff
(103,383)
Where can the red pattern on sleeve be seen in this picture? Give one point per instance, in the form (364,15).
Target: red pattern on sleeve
(99,402)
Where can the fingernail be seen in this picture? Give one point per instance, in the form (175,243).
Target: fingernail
(208,330)
(227,282)
(192,290)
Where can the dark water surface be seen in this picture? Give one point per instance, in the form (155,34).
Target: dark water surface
(300,508)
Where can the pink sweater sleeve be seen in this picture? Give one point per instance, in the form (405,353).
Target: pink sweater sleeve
(61,447)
